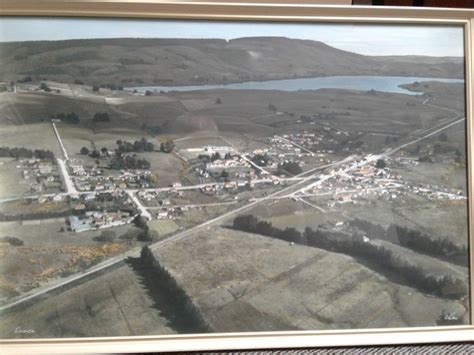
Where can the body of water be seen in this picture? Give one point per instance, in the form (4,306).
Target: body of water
(378,83)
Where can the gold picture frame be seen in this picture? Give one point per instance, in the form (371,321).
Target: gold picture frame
(262,10)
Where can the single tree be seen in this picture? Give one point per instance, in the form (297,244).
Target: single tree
(381,164)
(95,154)
(224,174)
(45,87)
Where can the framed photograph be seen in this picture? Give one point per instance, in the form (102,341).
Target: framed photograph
(233,175)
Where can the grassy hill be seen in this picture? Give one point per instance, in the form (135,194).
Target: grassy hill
(134,62)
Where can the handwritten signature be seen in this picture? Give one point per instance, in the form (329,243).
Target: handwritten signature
(20,330)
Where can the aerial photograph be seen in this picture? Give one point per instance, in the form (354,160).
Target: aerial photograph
(184,177)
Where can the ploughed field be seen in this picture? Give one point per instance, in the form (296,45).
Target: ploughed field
(247,282)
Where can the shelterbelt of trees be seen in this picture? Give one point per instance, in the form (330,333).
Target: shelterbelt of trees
(26,153)
(443,248)
(381,257)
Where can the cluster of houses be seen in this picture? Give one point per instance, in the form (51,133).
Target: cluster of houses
(172,213)
(235,162)
(151,197)
(298,146)
(43,175)
(93,179)
(93,220)
(368,180)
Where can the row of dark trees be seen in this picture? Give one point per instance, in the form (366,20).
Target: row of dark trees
(129,162)
(443,248)
(94,153)
(195,322)
(25,79)
(138,146)
(382,257)
(67,211)
(423,243)
(96,88)
(27,153)
(214,157)
(101,117)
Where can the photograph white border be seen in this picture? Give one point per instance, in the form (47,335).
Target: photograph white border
(283,11)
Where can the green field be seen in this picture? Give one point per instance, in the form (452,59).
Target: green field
(163,226)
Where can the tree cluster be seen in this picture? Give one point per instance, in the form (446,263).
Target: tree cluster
(146,234)
(381,256)
(26,79)
(290,167)
(138,146)
(261,159)
(129,162)
(16,242)
(381,164)
(112,87)
(167,147)
(26,153)
(101,117)
(45,87)
(67,117)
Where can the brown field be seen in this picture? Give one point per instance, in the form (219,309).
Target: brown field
(49,252)
(163,227)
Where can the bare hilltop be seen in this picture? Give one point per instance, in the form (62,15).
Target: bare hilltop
(135,62)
